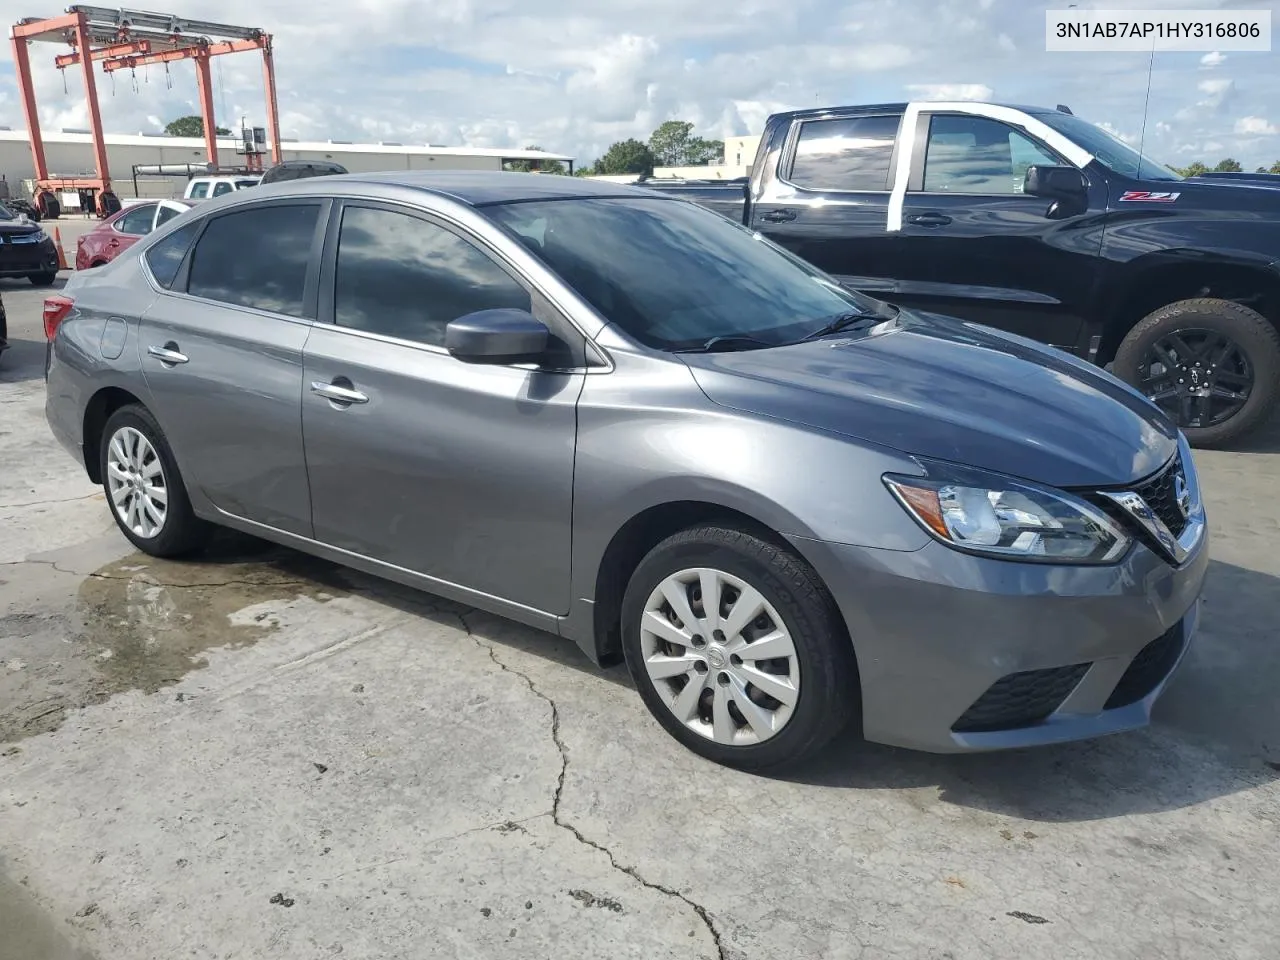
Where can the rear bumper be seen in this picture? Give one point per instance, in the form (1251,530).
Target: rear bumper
(959,653)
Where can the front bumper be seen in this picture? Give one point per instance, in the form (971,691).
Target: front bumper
(24,259)
(960,653)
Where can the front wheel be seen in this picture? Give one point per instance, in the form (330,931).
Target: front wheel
(46,279)
(1212,365)
(144,488)
(737,648)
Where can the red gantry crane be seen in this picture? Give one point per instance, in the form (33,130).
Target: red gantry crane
(128,39)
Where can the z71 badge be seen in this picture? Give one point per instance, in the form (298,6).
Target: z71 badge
(1148,196)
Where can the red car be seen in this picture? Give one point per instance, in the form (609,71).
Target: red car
(123,229)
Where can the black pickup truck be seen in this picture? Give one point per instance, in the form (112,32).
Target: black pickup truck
(1037,222)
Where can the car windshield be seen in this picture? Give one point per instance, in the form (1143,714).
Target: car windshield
(1111,151)
(675,276)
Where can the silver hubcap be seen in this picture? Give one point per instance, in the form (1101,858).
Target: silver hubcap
(136,482)
(720,656)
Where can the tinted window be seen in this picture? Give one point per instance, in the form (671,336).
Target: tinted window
(220,188)
(1111,151)
(849,154)
(138,220)
(405,277)
(200,190)
(165,256)
(674,275)
(977,155)
(256,258)
(165,214)
(245,184)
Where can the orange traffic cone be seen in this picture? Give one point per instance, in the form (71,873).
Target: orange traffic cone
(62,255)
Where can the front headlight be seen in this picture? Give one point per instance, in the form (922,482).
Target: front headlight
(41,236)
(1009,519)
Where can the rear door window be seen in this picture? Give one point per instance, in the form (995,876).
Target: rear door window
(165,256)
(256,257)
(852,153)
(221,188)
(137,222)
(199,190)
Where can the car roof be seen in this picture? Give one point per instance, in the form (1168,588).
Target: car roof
(811,113)
(473,187)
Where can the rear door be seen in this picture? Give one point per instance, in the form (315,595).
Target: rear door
(222,355)
(990,252)
(460,472)
(829,197)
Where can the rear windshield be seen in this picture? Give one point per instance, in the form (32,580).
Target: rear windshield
(674,275)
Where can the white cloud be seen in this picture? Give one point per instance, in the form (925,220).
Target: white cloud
(1254,126)
(1117,132)
(1214,59)
(950,91)
(1005,43)
(1217,87)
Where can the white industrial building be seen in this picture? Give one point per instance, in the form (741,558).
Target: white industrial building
(70,153)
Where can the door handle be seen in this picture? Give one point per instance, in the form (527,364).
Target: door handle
(337,392)
(929,219)
(168,354)
(779,216)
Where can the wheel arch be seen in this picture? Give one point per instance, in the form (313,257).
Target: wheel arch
(97,412)
(639,534)
(1160,279)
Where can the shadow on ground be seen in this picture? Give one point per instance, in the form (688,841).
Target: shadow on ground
(1181,762)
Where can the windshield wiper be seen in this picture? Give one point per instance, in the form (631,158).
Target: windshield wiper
(844,321)
(721,344)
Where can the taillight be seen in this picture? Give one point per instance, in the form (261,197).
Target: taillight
(56,309)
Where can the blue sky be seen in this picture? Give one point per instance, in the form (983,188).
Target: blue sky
(575,75)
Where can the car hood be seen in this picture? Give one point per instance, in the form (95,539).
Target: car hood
(18,226)
(940,388)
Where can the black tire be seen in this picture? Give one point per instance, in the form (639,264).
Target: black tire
(50,208)
(43,279)
(108,204)
(1256,337)
(829,694)
(182,531)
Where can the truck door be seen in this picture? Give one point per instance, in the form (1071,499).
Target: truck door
(993,254)
(827,199)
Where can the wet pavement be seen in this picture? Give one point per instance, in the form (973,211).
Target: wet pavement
(258,754)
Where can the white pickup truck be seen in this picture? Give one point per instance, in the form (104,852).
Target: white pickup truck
(201,188)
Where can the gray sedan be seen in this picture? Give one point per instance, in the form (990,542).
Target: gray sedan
(618,417)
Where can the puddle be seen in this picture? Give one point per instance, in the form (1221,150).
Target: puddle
(27,932)
(142,624)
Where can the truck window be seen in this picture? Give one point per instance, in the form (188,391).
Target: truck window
(852,153)
(222,188)
(978,155)
(199,190)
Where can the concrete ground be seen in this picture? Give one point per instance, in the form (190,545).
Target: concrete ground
(256,754)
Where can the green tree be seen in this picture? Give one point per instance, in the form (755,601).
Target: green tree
(674,145)
(1228,166)
(1274,168)
(191,126)
(554,167)
(623,157)
(1194,170)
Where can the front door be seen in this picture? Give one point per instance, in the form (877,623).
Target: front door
(222,353)
(991,253)
(456,471)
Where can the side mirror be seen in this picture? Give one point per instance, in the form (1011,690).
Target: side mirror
(497,336)
(1054,183)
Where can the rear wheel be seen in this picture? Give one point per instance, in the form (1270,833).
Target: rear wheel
(1212,365)
(50,208)
(737,648)
(144,488)
(43,279)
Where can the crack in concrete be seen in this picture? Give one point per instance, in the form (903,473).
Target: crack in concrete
(43,503)
(153,581)
(558,819)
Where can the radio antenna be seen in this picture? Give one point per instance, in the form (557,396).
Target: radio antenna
(1146,105)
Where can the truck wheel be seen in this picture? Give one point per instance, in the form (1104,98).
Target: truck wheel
(1212,365)
(50,208)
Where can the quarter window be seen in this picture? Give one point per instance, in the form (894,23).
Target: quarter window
(256,258)
(165,256)
(848,154)
(137,222)
(979,155)
(405,277)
